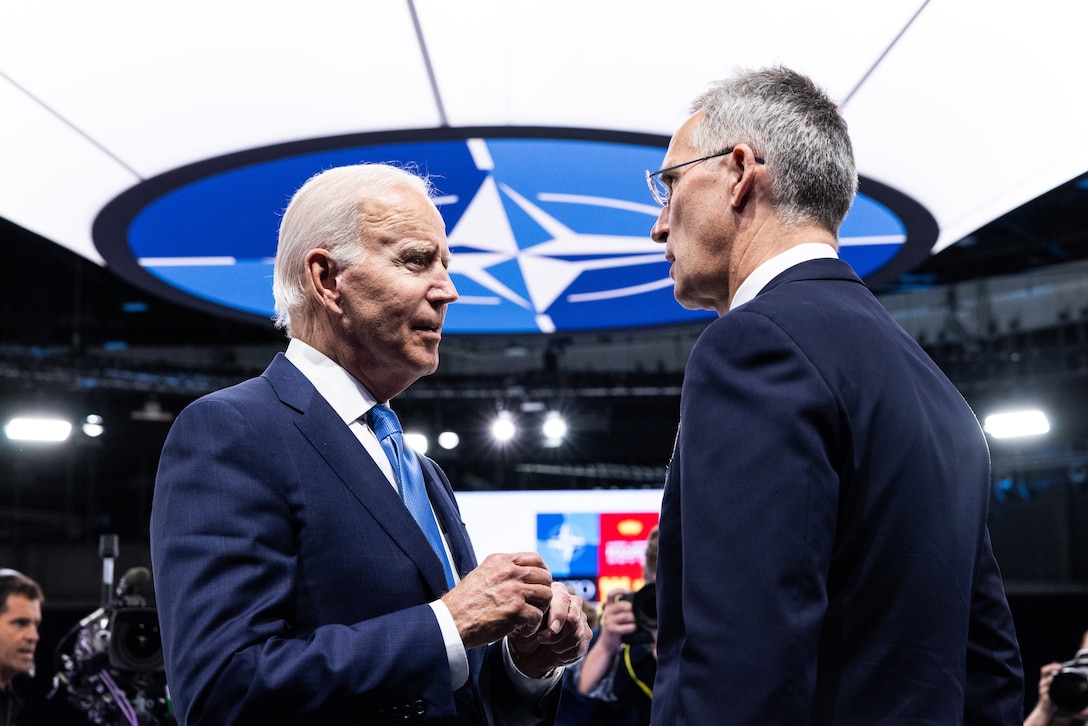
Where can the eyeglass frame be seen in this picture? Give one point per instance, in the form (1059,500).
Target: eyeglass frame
(655,191)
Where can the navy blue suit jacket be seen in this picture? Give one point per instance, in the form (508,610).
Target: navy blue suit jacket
(292,583)
(824,556)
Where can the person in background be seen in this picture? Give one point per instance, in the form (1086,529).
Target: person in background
(309,567)
(824,556)
(613,684)
(20,618)
(1044,713)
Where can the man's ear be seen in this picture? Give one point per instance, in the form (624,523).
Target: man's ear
(745,167)
(321,282)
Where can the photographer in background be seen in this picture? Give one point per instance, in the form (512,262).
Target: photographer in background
(1045,713)
(613,684)
(20,617)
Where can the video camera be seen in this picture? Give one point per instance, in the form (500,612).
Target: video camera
(644,606)
(111,661)
(1069,687)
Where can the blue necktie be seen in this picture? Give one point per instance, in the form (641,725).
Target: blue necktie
(413,491)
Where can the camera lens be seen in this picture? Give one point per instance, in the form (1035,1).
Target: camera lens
(644,608)
(1069,690)
(644,605)
(135,642)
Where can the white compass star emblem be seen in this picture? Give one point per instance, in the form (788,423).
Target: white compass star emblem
(566,541)
(483,238)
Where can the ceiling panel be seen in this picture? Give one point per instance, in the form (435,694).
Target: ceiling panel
(974,112)
(635,66)
(969,108)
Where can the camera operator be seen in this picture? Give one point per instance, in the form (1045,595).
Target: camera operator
(20,617)
(613,684)
(1045,712)
(110,663)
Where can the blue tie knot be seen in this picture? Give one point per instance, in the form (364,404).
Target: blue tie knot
(383,421)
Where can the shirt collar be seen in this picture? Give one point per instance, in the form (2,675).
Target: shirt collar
(346,395)
(778,264)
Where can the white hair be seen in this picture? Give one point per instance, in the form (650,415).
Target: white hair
(324,213)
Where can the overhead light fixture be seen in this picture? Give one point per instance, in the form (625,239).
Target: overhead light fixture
(554,429)
(50,430)
(504,429)
(92,426)
(448,440)
(417,441)
(1016,424)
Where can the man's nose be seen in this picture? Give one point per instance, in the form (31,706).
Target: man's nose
(444,290)
(660,231)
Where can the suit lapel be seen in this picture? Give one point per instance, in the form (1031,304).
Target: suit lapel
(352,465)
(449,516)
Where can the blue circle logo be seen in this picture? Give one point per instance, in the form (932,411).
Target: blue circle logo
(548,228)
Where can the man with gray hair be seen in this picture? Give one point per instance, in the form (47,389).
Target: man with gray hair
(309,567)
(824,556)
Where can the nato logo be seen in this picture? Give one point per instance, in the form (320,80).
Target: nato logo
(548,228)
(568,543)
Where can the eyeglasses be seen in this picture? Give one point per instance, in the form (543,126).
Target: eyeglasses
(661,189)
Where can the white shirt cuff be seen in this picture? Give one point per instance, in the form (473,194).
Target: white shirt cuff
(455,648)
(529,688)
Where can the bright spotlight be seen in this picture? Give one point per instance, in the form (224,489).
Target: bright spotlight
(448,440)
(554,428)
(38,429)
(503,428)
(92,426)
(417,441)
(1016,424)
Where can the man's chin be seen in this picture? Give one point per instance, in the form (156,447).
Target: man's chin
(426,363)
(688,304)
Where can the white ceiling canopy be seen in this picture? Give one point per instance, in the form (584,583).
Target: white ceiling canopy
(969,107)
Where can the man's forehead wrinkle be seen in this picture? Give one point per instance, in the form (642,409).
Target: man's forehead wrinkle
(377,214)
(386,216)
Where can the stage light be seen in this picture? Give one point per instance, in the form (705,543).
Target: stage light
(92,426)
(554,428)
(503,428)
(38,429)
(417,441)
(1016,424)
(448,440)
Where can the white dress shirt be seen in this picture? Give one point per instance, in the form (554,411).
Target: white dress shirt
(778,264)
(351,401)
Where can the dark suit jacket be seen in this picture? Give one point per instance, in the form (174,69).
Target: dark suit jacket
(292,583)
(824,556)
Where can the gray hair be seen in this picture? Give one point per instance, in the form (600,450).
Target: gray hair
(791,123)
(324,213)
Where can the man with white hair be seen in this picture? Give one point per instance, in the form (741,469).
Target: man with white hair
(309,567)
